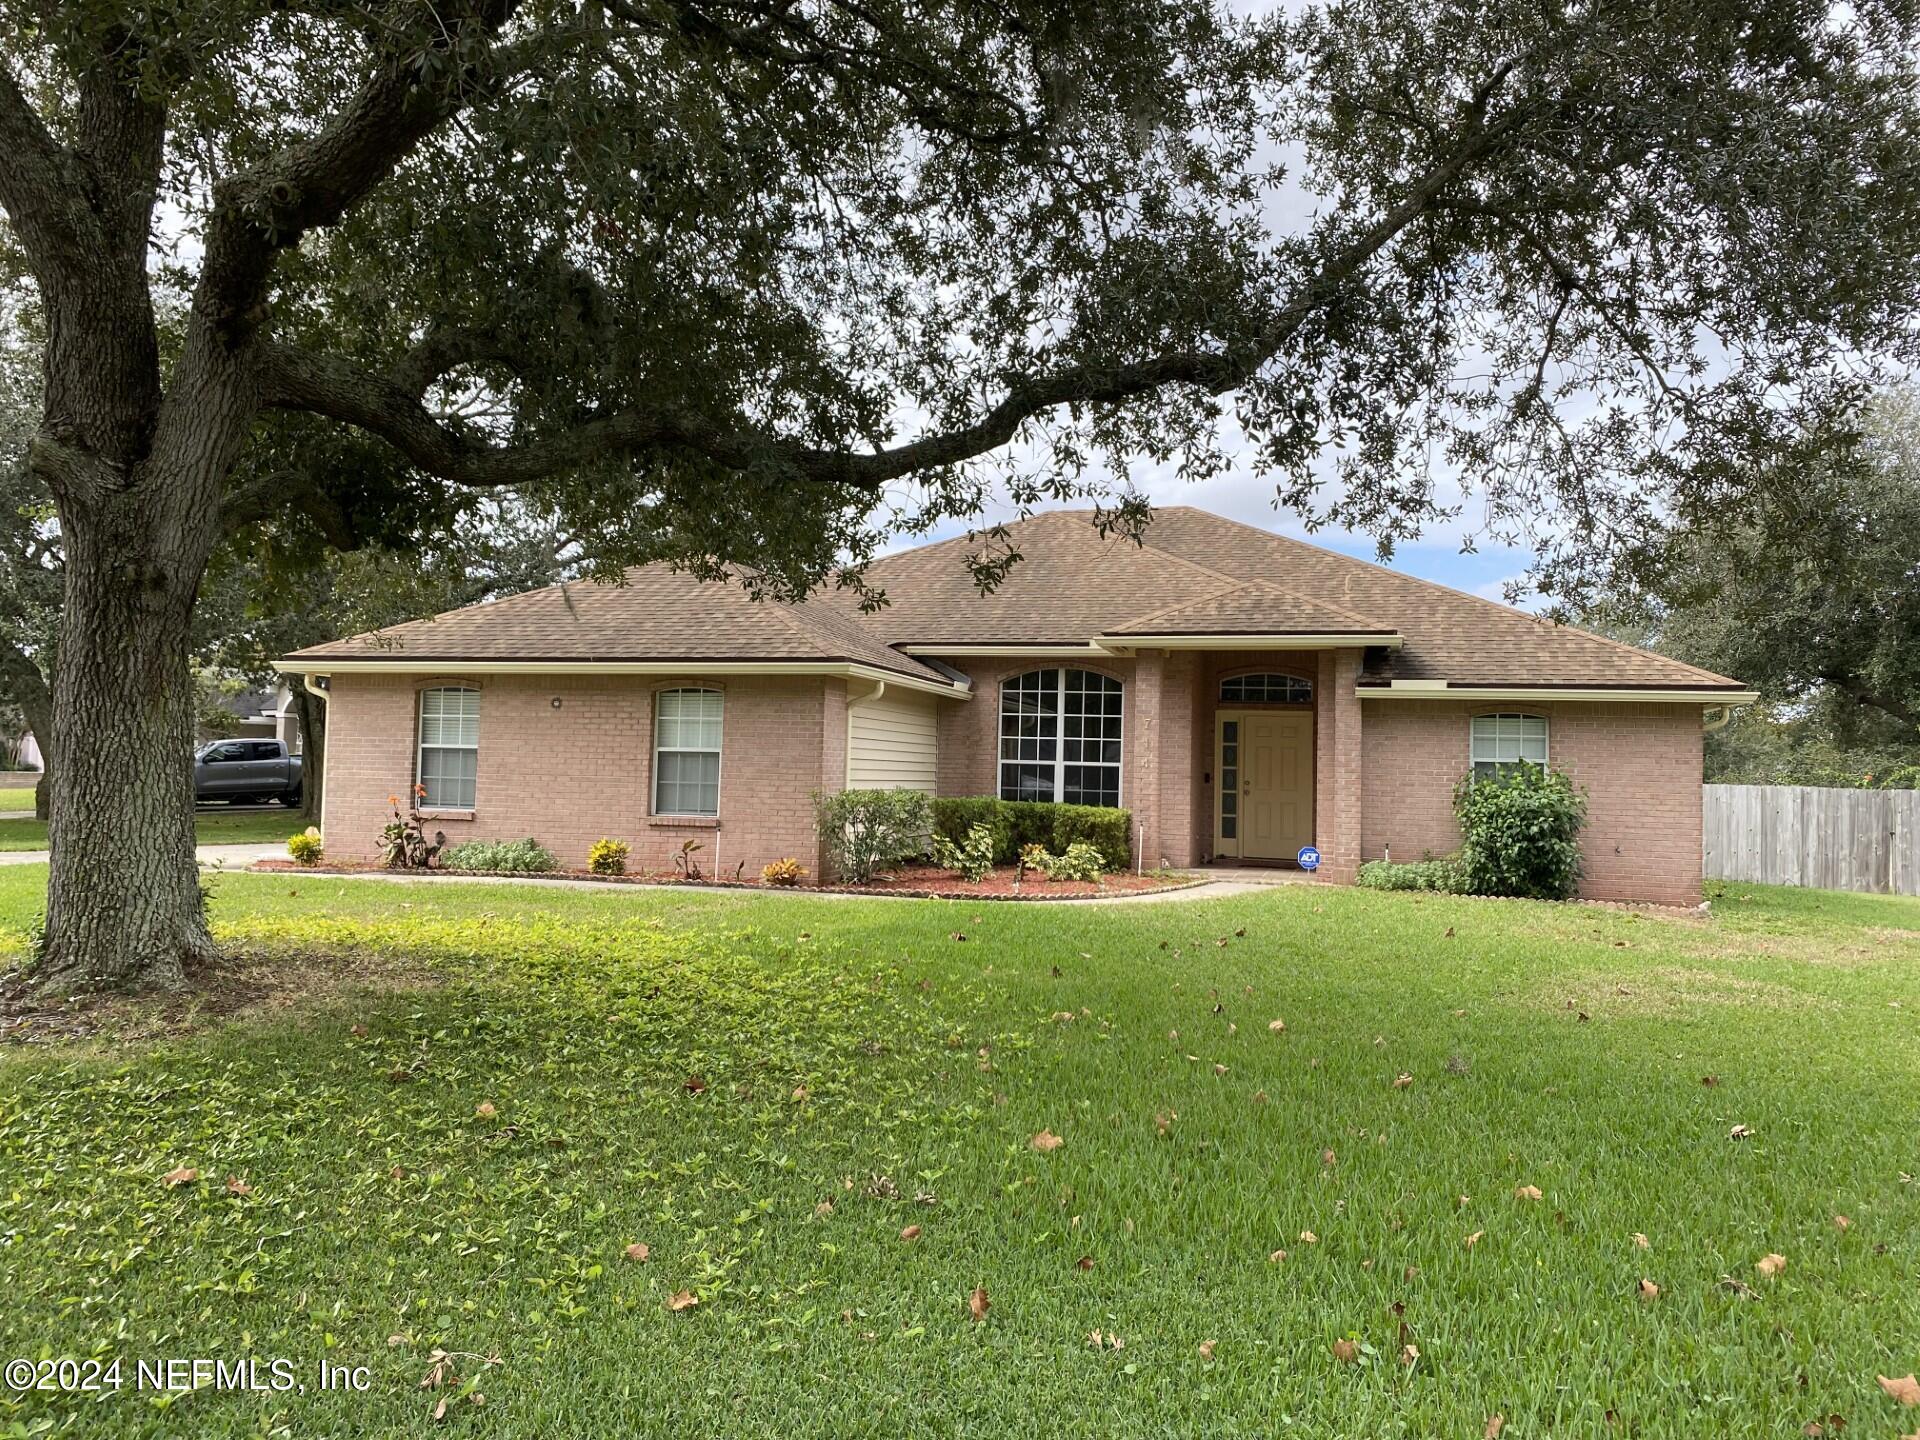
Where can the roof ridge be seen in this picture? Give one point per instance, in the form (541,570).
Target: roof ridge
(1493,605)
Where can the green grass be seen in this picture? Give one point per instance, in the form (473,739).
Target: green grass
(1559,1047)
(215,826)
(15,799)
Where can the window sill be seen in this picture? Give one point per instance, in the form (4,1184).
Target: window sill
(684,822)
(448,814)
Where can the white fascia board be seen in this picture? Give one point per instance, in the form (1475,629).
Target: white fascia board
(1440,690)
(428,665)
(1038,652)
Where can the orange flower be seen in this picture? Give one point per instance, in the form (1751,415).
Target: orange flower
(393,799)
(419,789)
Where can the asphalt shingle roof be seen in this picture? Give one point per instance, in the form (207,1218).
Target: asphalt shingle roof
(1194,573)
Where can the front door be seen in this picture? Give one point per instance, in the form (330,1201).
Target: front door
(1264,761)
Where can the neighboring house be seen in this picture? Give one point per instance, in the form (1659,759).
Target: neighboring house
(268,715)
(1242,694)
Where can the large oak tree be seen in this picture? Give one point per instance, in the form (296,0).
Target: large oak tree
(751,280)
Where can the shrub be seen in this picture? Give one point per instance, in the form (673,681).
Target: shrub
(1520,833)
(865,831)
(403,839)
(527,856)
(1445,875)
(1018,824)
(608,857)
(306,847)
(973,859)
(1035,857)
(786,871)
(1904,777)
(1079,861)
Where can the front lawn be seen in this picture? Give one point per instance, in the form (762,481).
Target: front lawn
(453,1109)
(216,826)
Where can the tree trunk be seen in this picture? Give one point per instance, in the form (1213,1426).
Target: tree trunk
(124,908)
(312,715)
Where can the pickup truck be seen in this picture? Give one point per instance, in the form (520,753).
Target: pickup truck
(246,772)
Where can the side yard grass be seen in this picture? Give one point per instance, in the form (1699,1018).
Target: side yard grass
(651,1163)
(212,826)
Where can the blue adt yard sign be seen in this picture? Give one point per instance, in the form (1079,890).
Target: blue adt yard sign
(1308,857)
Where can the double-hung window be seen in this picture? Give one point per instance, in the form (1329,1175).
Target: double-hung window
(686,752)
(1503,741)
(1060,737)
(449,762)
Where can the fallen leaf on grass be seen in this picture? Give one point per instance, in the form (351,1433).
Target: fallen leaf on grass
(1841,1222)
(1905,1389)
(1648,1290)
(359,1032)
(1409,1355)
(1402,1080)
(1526,1192)
(1641,1241)
(485,1110)
(800,1094)
(638,1253)
(1770,1265)
(682,1300)
(1206,1349)
(1085,1262)
(1496,1422)
(1219,1069)
(237,1186)
(1276,1257)
(1740,1132)
(184,1175)
(694,1085)
(977,1304)
(1046,1142)
(1474,1239)
(912,1232)
(1277,1026)
(1327,1157)
(1307,1237)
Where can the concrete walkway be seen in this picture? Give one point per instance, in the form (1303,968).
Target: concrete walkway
(227,857)
(1232,883)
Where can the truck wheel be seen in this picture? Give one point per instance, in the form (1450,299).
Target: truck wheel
(290,798)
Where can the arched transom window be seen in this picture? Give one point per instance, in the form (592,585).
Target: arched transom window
(1265,690)
(1060,737)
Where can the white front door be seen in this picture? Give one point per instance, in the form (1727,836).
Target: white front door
(1264,763)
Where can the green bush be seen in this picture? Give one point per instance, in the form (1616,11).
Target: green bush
(527,856)
(866,831)
(609,857)
(1904,777)
(1080,861)
(1520,833)
(306,847)
(1018,824)
(973,859)
(1445,875)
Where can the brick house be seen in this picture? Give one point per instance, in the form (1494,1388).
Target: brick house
(1242,694)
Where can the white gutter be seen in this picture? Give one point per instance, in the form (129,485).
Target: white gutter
(1127,644)
(429,665)
(1441,690)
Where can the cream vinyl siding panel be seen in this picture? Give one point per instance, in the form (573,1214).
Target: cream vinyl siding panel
(892,743)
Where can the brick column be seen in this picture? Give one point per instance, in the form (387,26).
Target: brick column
(1175,806)
(1336,765)
(1145,729)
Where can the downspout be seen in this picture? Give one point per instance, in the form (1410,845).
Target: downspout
(1723,714)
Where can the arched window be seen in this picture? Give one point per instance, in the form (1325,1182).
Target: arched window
(448,764)
(1500,741)
(1266,690)
(1060,737)
(686,752)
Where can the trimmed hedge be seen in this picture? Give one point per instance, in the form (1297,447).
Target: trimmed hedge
(1016,824)
(1446,876)
(1520,833)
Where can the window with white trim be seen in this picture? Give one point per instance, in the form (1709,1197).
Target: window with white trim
(1500,741)
(686,752)
(1060,737)
(449,760)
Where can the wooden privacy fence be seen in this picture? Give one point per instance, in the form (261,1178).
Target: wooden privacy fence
(1810,835)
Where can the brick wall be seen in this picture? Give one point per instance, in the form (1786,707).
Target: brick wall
(569,775)
(1640,766)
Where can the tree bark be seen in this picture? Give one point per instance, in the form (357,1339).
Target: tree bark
(312,715)
(124,908)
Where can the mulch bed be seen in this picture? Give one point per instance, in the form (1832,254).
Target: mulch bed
(925,882)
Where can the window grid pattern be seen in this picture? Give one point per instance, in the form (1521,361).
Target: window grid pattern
(1265,690)
(686,752)
(1060,737)
(449,747)
(1501,741)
